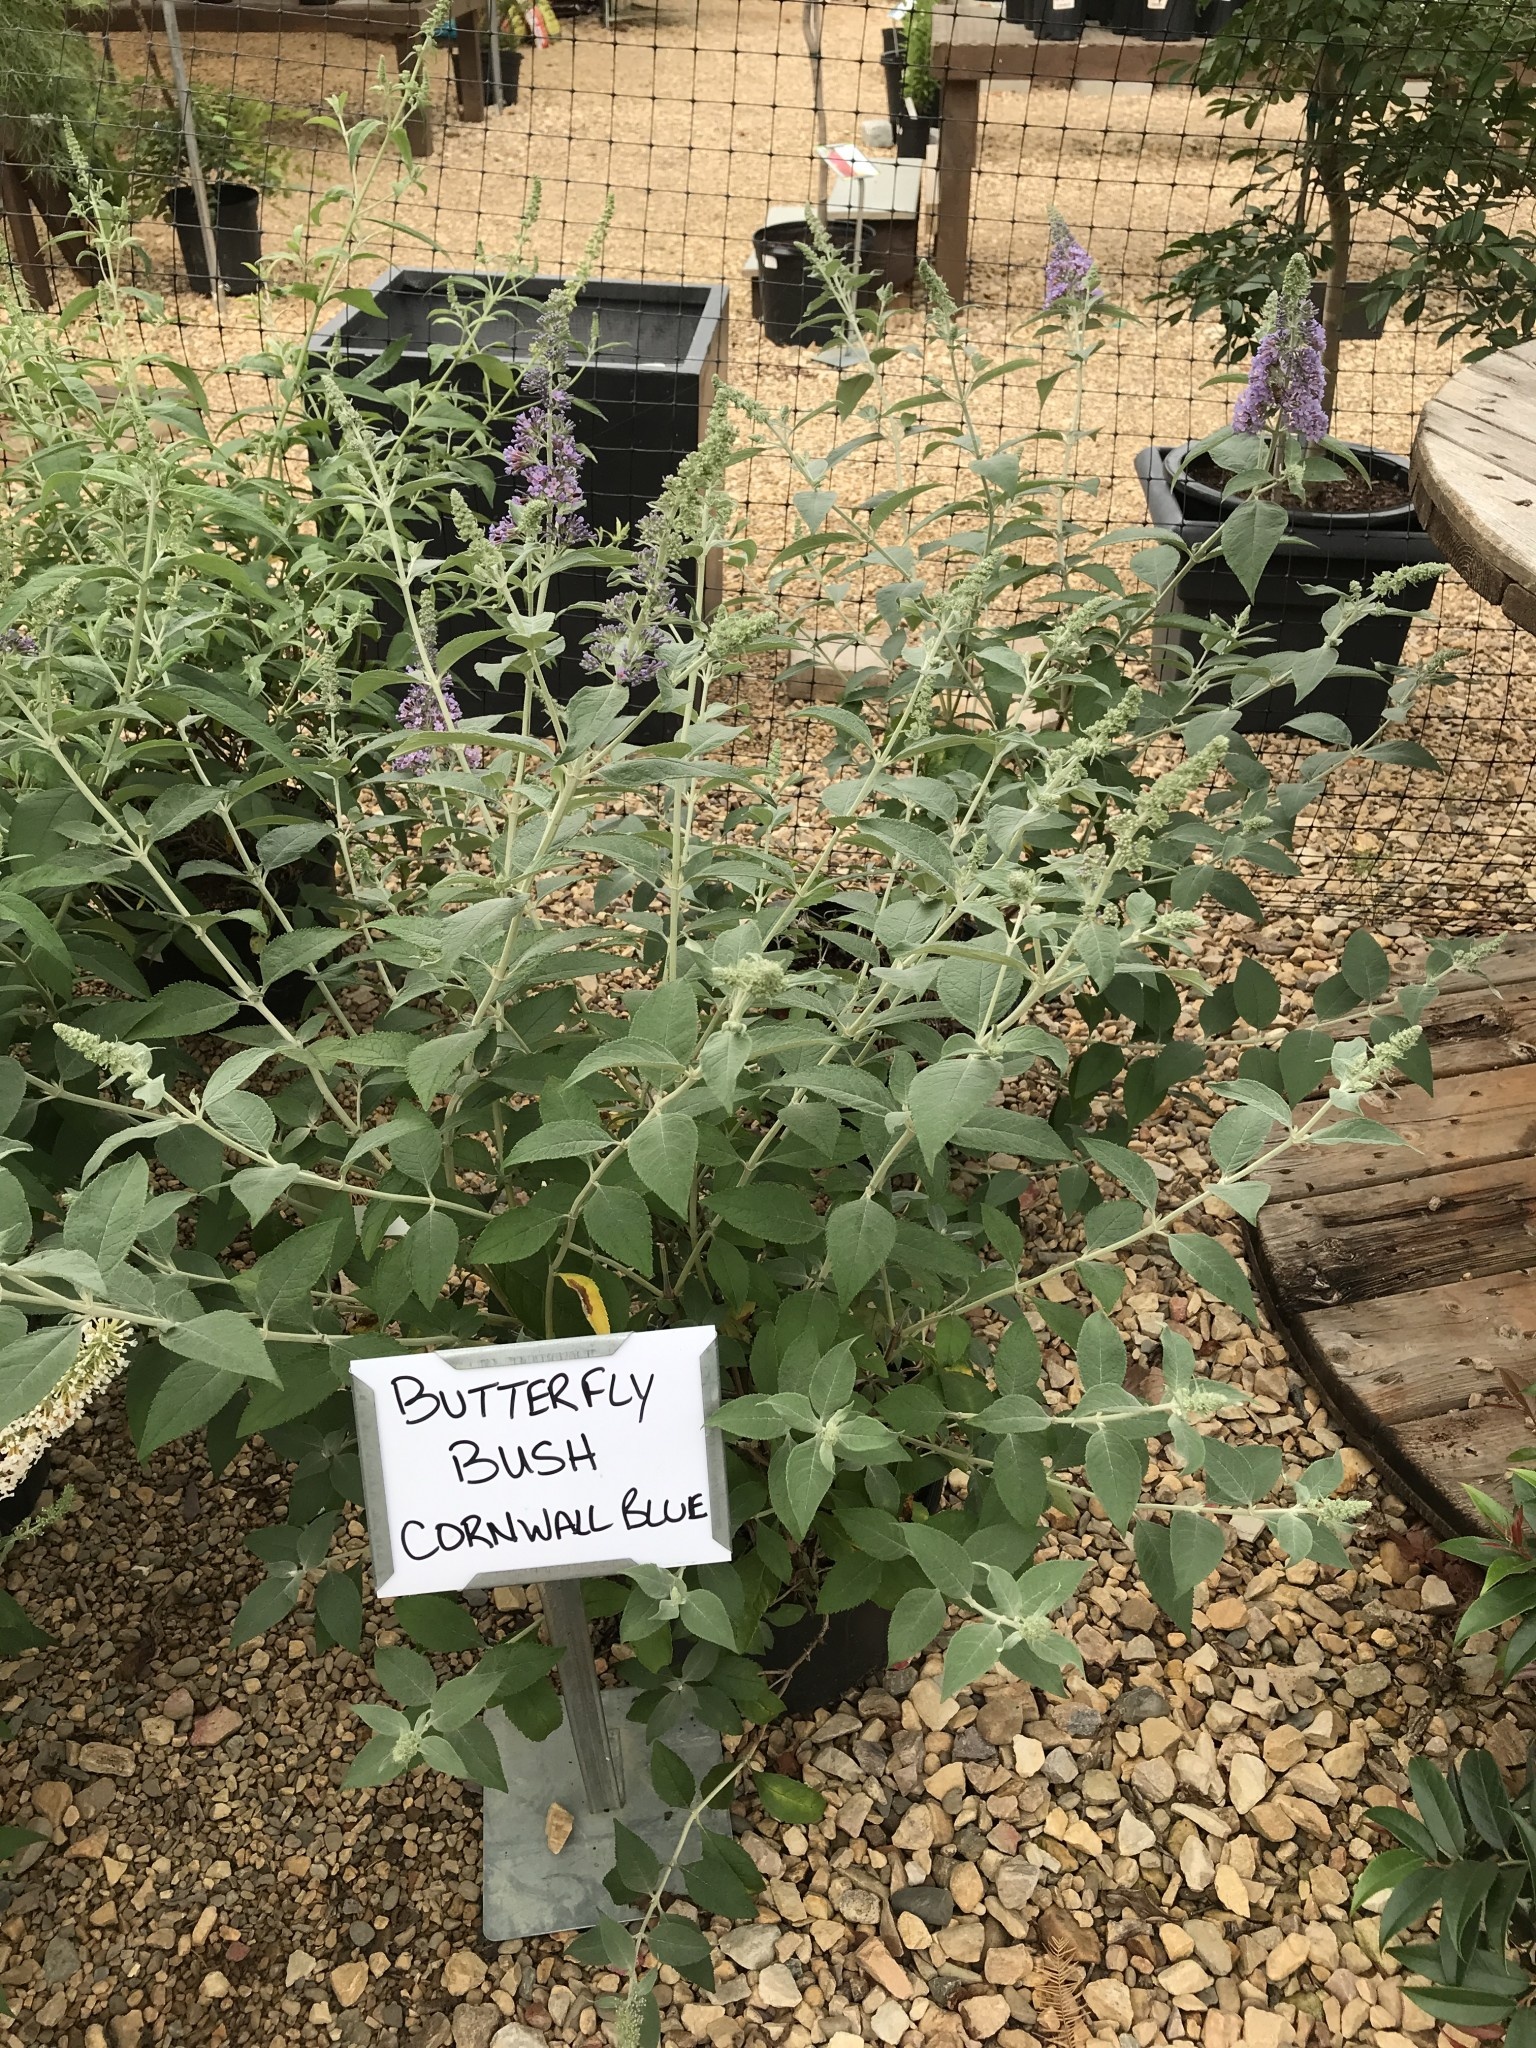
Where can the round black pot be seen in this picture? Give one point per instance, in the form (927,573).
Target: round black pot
(1171,21)
(16,1507)
(1206,502)
(511,67)
(914,132)
(236,213)
(787,286)
(841,1651)
(1358,323)
(1330,550)
(1051,20)
(893,64)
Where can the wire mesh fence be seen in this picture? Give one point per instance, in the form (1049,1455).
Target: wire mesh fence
(698,121)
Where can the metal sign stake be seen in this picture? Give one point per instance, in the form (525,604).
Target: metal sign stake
(602,1772)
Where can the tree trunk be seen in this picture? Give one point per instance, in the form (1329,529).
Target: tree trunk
(1340,227)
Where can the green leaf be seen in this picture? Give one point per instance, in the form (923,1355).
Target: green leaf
(18,1631)
(685,1947)
(1249,537)
(474,1754)
(185,1399)
(1156,1568)
(1196,1547)
(1100,1353)
(375,1764)
(673,1780)
(32,1366)
(789,1800)
(945,1563)
(769,1210)
(619,1223)
(1257,993)
(1240,1136)
(917,1618)
(435,1622)
(265,1605)
(257,1188)
(461,1699)
(1437,1807)
(227,1343)
(406,1676)
(566,1138)
(1213,1267)
(339,1609)
(797,1485)
(1239,1474)
(15,1216)
(663,1151)
(972,1651)
(430,1248)
(519,1231)
(860,1238)
(704,1615)
(1365,967)
(1116,1465)
(636,1866)
(437,1061)
(945,1096)
(104,1218)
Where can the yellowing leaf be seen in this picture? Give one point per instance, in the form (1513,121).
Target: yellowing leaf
(593,1307)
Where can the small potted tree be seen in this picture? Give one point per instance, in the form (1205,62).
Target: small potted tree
(915,105)
(1341,511)
(1417,116)
(240,164)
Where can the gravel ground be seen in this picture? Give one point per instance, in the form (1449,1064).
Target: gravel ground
(1162,1855)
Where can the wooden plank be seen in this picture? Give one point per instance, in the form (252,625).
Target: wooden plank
(1437,1228)
(1473,474)
(1435,1460)
(987,46)
(1409,1356)
(957,166)
(1478,1119)
(383,19)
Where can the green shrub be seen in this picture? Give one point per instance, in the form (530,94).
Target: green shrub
(612,1043)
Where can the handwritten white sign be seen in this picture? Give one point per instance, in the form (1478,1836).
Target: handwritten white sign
(511,1462)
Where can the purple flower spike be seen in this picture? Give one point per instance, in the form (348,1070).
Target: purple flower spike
(13,640)
(1286,379)
(1070,272)
(543,453)
(421,710)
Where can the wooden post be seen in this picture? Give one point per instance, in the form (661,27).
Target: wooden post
(600,1771)
(194,157)
(957,167)
(21,233)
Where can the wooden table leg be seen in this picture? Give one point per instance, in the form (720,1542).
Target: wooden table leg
(418,126)
(21,233)
(468,68)
(957,166)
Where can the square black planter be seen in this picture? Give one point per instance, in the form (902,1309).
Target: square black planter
(1289,613)
(660,348)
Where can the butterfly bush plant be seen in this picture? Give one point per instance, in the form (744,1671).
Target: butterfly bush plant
(340,1023)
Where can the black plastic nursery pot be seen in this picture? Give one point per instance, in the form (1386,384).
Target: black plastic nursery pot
(658,350)
(1158,20)
(511,69)
(893,65)
(828,1656)
(1331,550)
(1358,324)
(788,288)
(236,217)
(16,1507)
(1053,21)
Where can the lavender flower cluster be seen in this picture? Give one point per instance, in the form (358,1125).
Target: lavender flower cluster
(1286,379)
(544,455)
(423,709)
(1070,271)
(14,641)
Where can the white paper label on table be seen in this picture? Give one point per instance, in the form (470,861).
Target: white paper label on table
(515,1462)
(848,160)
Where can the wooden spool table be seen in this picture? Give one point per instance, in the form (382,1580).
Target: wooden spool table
(973,43)
(1473,475)
(1404,1276)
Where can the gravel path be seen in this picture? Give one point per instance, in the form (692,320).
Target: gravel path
(1163,1855)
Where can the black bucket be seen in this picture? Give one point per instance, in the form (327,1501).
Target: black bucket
(511,68)
(236,213)
(1053,21)
(787,287)
(1159,20)
(893,65)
